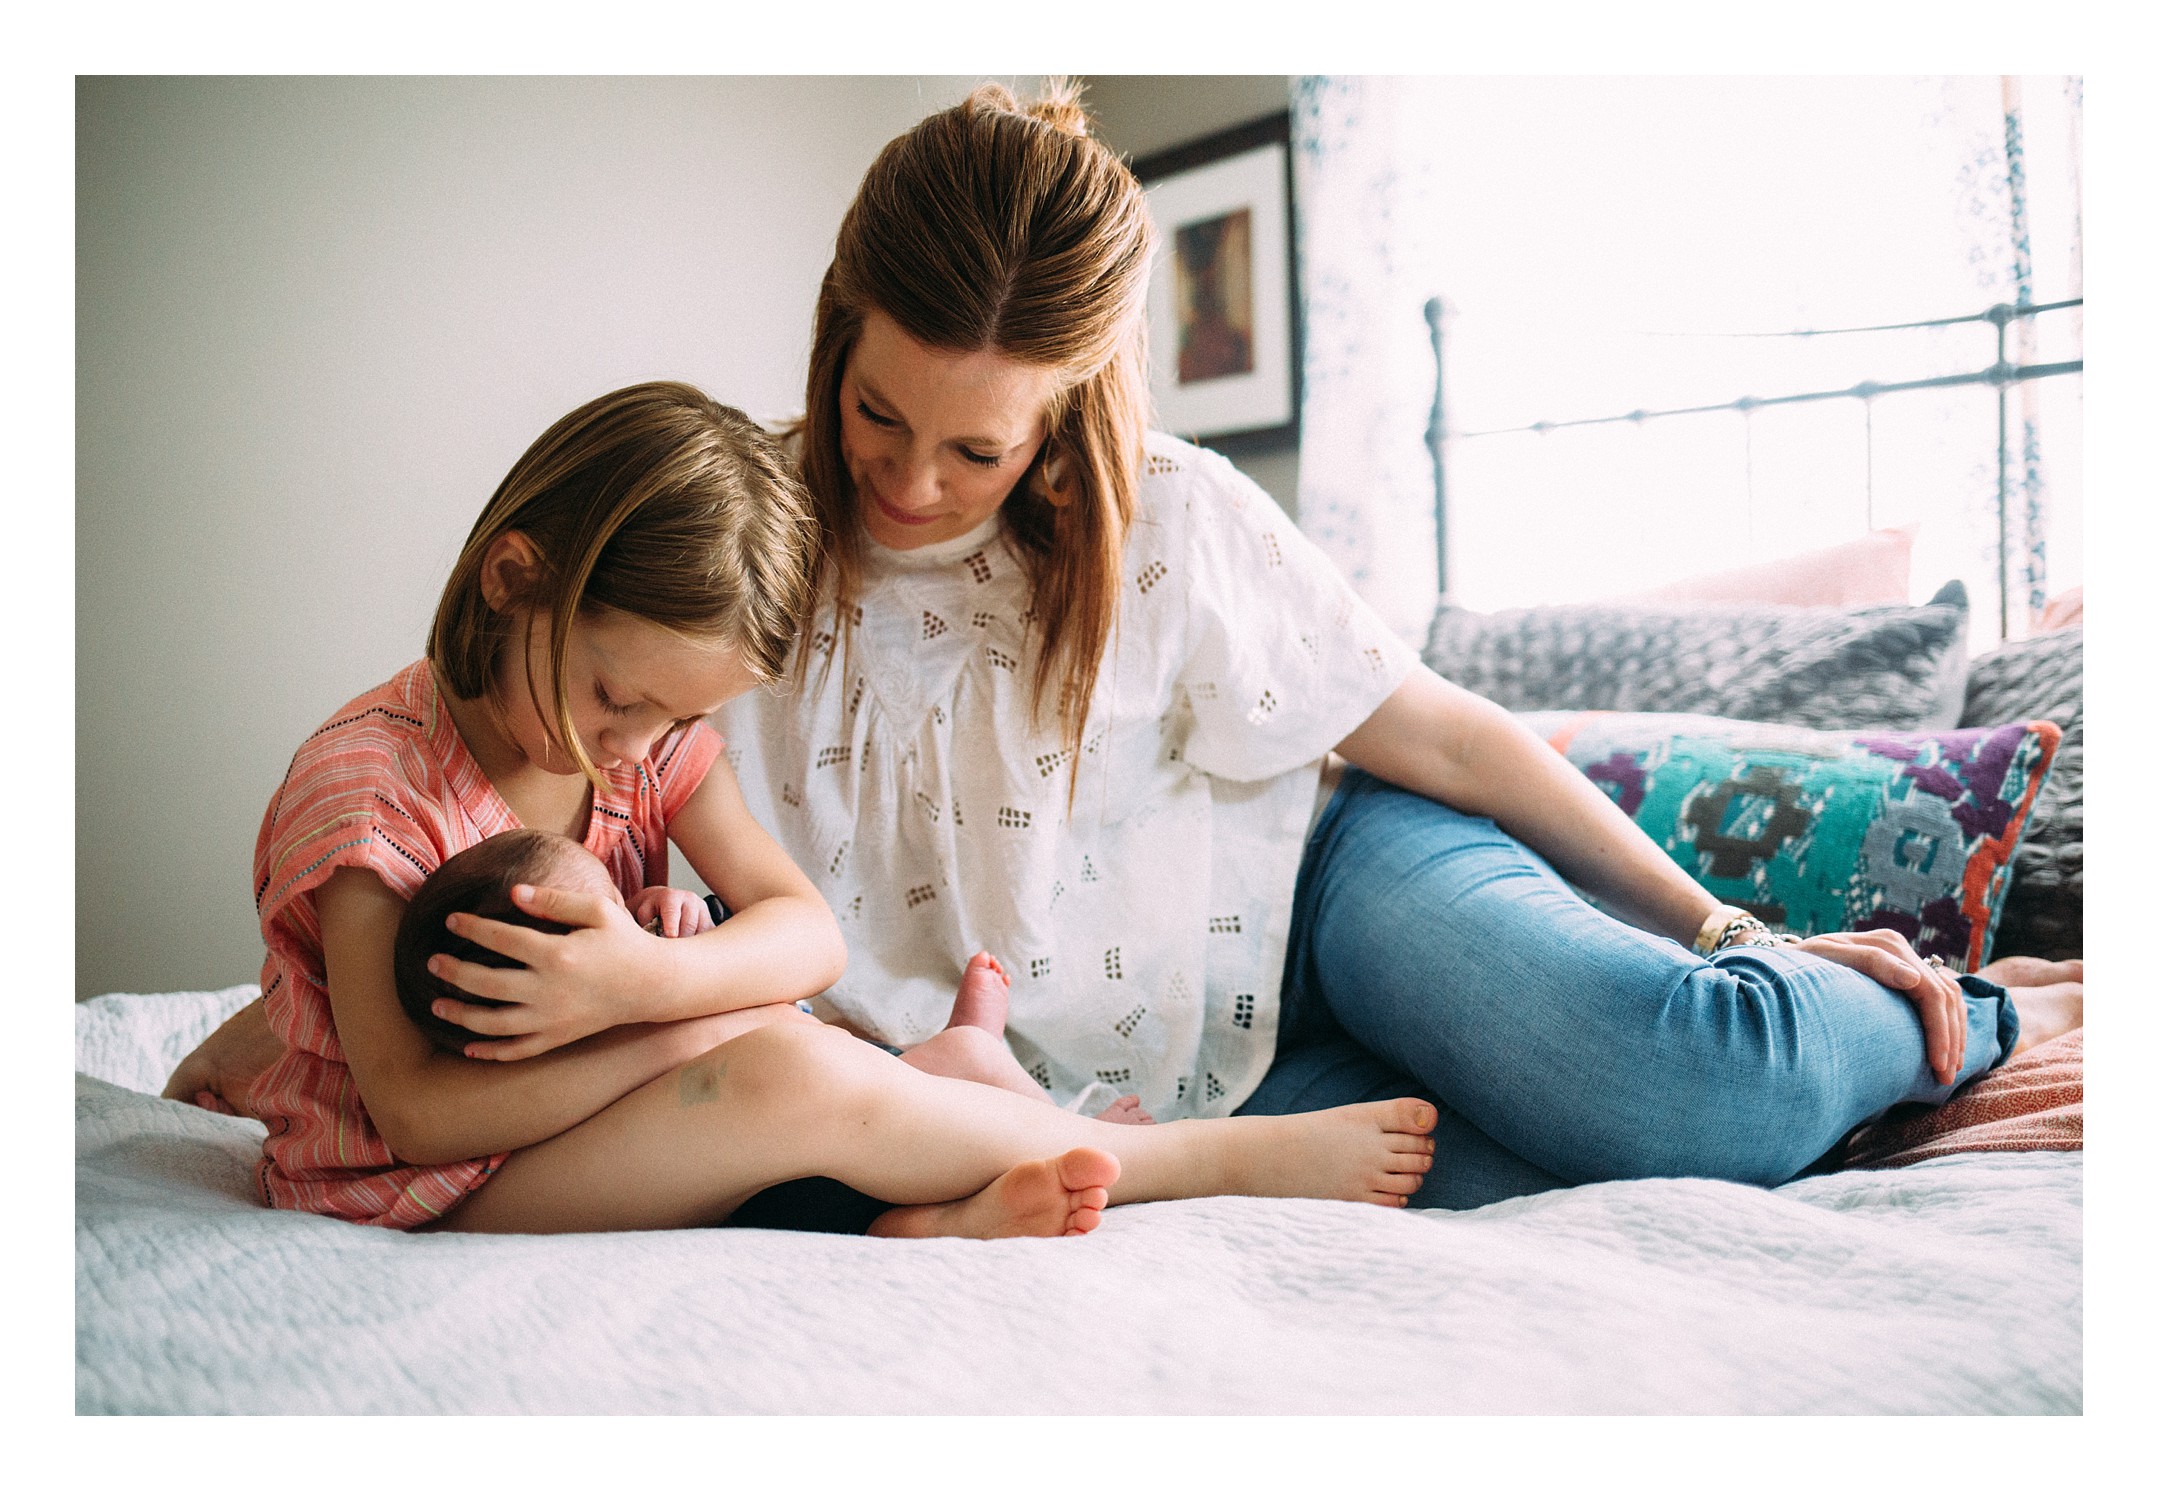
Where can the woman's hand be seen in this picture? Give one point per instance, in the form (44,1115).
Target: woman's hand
(217,1073)
(572,985)
(1888,958)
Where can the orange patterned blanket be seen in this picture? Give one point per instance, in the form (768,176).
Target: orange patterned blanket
(2032,1101)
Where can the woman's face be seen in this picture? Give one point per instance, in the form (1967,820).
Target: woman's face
(935,441)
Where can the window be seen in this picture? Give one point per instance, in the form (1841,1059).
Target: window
(1599,240)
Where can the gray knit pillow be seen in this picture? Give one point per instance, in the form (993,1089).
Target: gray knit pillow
(1822,667)
(2040,678)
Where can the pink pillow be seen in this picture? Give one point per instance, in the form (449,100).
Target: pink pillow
(1870,571)
(2063,611)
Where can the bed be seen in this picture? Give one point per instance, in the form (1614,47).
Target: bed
(1844,1293)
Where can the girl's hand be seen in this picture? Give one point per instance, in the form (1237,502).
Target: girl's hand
(572,985)
(1888,958)
(678,913)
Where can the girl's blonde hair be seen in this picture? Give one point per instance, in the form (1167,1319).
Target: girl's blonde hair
(652,501)
(992,227)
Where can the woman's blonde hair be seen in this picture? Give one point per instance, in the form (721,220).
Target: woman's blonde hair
(652,501)
(997,227)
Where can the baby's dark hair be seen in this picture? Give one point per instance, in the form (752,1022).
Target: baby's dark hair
(477,881)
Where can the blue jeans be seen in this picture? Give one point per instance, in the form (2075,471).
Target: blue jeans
(1432,954)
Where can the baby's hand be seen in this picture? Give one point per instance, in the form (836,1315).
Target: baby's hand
(670,912)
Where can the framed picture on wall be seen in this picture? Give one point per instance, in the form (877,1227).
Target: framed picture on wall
(1221,311)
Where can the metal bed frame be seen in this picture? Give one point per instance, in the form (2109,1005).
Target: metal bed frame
(2002,374)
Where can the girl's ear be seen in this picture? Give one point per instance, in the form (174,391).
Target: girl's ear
(510,571)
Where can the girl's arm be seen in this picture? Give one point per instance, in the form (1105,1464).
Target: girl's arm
(779,944)
(1436,738)
(432,1107)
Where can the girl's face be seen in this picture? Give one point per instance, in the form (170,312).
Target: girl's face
(935,441)
(630,683)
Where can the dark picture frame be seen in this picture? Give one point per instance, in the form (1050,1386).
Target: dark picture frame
(1225,328)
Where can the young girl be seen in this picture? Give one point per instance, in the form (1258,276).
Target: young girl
(644,562)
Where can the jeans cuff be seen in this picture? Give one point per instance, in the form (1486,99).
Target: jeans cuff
(2008,1025)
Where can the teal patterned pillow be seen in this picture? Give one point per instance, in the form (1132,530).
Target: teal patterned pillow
(1827,831)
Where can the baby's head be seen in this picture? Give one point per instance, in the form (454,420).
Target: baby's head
(479,881)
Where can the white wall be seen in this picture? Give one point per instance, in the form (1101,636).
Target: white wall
(1140,113)
(317,319)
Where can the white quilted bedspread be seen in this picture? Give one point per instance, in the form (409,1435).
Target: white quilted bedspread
(1950,1287)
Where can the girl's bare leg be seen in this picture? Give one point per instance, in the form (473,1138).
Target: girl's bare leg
(785,1102)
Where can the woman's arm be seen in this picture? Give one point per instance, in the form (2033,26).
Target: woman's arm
(432,1107)
(1436,738)
(779,945)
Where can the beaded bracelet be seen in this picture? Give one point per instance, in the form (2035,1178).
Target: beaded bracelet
(1737,929)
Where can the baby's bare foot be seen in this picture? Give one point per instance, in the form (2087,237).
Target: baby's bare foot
(2048,1012)
(985,996)
(1060,1197)
(1375,1152)
(1125,1109)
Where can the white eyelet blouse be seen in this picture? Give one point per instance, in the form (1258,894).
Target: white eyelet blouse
(1144,932)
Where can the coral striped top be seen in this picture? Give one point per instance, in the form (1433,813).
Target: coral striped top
(387,784)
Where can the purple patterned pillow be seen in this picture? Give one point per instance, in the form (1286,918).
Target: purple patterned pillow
(1827,831)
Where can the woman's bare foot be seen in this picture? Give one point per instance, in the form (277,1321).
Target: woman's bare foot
(2048,1012)
(2027,973)
(1060,1197)
(985,996)
(1125,1109)
(1377,1152)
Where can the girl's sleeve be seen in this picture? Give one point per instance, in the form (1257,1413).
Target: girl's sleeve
(1283,658)
(680,767)
(337,809)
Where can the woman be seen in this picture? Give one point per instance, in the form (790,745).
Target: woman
(1067,696)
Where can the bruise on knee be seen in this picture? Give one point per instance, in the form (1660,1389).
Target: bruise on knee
(699,1082)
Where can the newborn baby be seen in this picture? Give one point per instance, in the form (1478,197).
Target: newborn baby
(971,1047)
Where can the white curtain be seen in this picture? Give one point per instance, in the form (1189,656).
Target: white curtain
(1599,241)
(1364,250)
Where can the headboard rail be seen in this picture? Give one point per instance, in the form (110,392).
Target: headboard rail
(2003,374)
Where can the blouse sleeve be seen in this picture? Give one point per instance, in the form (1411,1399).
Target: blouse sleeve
(1284,659)
(338,808)
(681,765)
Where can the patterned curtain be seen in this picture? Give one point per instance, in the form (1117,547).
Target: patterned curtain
(1611,244)
(2021,185)
(1364,489)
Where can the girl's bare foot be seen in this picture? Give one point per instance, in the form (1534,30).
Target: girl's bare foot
(1125,1109)
(1060,1197)
(985,996)
(2048,1011)
(218,1073)
(1375,1152)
